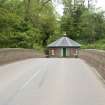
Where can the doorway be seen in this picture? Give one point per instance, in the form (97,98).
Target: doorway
(64,52)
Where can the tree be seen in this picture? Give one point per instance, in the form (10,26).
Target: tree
(71,19)
(82,23)
(26,23)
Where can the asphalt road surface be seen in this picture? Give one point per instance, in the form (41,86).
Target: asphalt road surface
(50,82)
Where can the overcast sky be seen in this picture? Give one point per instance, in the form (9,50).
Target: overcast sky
(59,6)
(101,3)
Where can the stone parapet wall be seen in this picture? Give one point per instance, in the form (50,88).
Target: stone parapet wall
(8,55)
(95,58)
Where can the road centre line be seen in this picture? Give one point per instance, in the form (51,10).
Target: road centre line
(25,84)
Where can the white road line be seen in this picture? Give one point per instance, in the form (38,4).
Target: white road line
(25,84)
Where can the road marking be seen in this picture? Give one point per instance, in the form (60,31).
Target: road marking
(26,83)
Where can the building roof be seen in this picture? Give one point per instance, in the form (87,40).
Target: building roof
(64,42)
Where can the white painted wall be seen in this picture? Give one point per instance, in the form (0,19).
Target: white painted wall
(61,52)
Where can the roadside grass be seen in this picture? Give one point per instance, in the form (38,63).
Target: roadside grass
(97,45)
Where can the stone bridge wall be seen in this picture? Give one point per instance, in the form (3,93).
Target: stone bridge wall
(95,58)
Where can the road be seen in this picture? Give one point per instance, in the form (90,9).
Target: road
(50,81)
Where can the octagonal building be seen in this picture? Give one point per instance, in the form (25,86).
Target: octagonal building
(64,47)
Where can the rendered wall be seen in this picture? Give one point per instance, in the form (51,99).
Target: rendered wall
(57,52)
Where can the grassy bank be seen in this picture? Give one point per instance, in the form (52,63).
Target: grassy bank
(97,45)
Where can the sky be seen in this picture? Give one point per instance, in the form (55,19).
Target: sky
(101,3)
(59,6)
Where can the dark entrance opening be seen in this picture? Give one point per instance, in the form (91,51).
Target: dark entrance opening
(64,52)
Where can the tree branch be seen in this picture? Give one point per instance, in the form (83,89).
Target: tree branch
(44,3)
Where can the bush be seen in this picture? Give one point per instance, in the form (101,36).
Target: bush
(98,45)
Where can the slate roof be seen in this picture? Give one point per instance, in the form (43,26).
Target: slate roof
(64,42)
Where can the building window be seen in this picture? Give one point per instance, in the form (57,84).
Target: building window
(52,52)
(76,51)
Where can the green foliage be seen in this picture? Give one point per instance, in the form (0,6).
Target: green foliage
(97,45)
(8,20)
(83,23)
(26,23)
(33,23)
